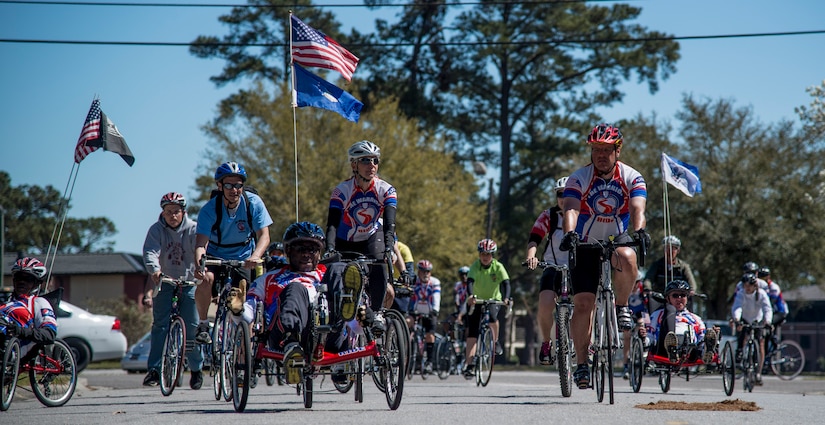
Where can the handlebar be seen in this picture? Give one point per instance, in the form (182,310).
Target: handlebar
(608,246)
(178,282)
(546,265)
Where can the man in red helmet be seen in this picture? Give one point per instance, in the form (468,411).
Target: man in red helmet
(603,199)
(26,316)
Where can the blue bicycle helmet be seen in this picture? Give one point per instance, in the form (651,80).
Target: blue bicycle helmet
(304,231)
(230,169)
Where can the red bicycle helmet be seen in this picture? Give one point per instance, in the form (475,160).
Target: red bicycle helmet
(425,265)
(487,246)
(29,266)
(173,198)
(607,134)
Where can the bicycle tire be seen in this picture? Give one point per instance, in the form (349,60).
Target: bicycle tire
(610,340)
(664,380)
(226,358)
(402,320)
(241,362)
(445,358)
(422,354)
(270,369)
(787,360)
(748,365)
(599,328)
(8,376)
(637,364)
(487,349)
(564,357)
(307,392)
(393,363)
(728,368)
(360,363)
(171,364)
(53,374)
(413,355)
(216,366)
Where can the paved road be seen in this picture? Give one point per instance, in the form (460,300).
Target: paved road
(113,397)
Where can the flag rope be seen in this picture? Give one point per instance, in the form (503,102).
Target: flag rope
(294,114)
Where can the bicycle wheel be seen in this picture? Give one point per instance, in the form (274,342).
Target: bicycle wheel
(8,376)
(226,358)
(171,364)
(445,358)
(307,391)
(241,366)
(637,364)
(664,380)
(422,356)
(609,339)
(216,366)
(270,370)
(750,359)
(393,363)
(359,374)
(53,374)
(787,360)
(728,369)
(487,349)
(599,329)
(564,358)
(413,358)
(405,334)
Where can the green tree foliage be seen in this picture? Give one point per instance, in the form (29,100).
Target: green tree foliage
(31,213)
(439,216)
(761,194)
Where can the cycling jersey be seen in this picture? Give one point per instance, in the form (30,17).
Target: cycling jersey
(544,227)
(461,297)
(426,296)
(362,210)
(752,308)
(236,234)
(487,281)
(605,204)
(29,311)
(685,321)
(268,288)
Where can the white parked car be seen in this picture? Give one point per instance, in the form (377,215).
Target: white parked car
(92,337)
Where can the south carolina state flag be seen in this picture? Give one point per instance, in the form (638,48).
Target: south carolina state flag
(681,175)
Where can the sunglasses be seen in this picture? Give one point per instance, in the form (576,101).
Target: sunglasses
(366,160)
(679,295)
(304,249)
(24,279)
(233,185)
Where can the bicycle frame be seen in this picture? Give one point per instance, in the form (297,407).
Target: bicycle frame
(175,344)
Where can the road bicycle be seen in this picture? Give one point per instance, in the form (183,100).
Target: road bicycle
(174,345)
(484,358)
(50,368)
(750,355)
(449,350)
(605,339)
(564,342)
(225,333)
(418,348)
(785,358)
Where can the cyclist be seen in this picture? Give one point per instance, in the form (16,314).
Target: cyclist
(28,317)
(548,224)
(778,304)
(362,219)
(233,225)
(753,268)
(753,306)
(487,280)
(670,324)
(605,198)
(169,249)
(402,261)
(638,303)
(275,256)
(668,268)
(461,288)
(287,294)
(426,300)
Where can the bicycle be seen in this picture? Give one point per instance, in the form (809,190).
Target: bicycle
(174,345)
(225,382)
(564,309)
(486,345)
(750,356)
(785,358)
(605,333)
(418,352)
(449,350)
(51,370)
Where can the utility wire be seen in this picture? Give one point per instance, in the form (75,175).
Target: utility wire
(474,43)
(281,6)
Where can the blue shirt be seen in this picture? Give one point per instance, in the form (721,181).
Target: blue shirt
(234,229)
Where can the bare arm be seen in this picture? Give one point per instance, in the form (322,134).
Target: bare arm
(572,207)
(637,213)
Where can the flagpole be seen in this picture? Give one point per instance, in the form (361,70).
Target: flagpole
(666,223)
(54,242)
(294,115)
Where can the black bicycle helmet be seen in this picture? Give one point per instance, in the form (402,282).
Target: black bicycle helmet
(677,285)
(763,272)
(750,267)
(304,231)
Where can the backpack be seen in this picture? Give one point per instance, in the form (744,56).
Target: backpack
(554,224)
(219,217)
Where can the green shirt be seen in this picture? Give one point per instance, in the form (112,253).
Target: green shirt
(487,285)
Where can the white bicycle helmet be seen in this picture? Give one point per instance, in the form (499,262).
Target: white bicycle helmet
(672,241)
(362,149)
(561,183)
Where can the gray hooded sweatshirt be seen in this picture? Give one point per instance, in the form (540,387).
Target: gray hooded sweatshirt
(169,250)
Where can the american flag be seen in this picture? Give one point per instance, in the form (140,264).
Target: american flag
(311,47)
(90,131)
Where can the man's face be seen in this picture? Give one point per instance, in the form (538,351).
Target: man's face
(671,251)
(604,157)
(424,275)
(232,188)
(304,256)
(678,299)
(173,215)
(750,287)
(366,167)
(23,284)
(462,276)
(486,258)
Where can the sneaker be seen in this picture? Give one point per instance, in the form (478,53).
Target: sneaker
(626,373)
(293,363)
(758,379)
(499,350)
(236,298)
(582,376)
(670,345)
(202,335)
(625,318)
(196,381)
(353,281)
(152,379)
(545,356)
(428,367)
(470,371)
(710,346)
(377,324)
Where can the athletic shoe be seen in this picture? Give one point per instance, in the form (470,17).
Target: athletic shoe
(582,376)
(545,354)
(626,372)
(152,378)
(710,346)
(353,281)
(470,371)
(202,335)
(758,379)
(499,350)
(293,362)
(196,381)
(624,316)
(670,345)
(236,298)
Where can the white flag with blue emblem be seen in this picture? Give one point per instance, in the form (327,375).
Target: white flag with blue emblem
(681,175)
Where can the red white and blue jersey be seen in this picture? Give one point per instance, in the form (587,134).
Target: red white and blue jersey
(542,228)
(426,296)
(29,311)
(685,320)
(461,296)
(267,288)
(605,204)
(362,210)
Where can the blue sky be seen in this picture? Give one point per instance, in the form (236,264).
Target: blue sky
(159,97)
